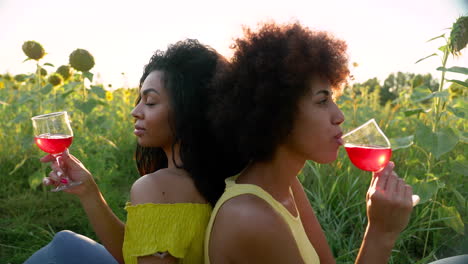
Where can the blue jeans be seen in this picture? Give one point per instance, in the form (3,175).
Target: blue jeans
(462,259)
(69,247)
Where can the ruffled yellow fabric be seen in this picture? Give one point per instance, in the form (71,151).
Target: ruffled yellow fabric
(175,228)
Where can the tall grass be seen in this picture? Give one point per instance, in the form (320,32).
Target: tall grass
(432,158)
(337,191)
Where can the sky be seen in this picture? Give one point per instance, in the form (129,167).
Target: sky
(383,36)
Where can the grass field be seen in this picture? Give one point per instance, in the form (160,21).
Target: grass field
(427,127)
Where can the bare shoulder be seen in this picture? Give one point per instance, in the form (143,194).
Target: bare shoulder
(165,186)
(245,228)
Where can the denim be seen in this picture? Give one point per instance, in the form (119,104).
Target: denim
(462,259)
(72,248)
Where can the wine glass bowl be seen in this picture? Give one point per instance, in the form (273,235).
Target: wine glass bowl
(367,146)
(369,149)
(53,134)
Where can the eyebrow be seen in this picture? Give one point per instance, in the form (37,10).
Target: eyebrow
(145,92)
(326,92)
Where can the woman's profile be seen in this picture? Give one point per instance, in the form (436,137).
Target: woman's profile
(276,108)
(182,171)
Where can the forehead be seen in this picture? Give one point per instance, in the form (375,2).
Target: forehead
(154,80)
(317,85)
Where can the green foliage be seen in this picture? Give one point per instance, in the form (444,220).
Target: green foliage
(426,125)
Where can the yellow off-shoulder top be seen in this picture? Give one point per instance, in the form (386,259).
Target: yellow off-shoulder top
(175,228)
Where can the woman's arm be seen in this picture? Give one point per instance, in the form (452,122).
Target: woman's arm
(311,224)
(389,206)
(107,226)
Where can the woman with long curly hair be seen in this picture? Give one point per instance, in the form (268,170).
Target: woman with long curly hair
(275,108)
(182,171)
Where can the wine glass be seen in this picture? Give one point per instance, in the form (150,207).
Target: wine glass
(369,149)
(53,134)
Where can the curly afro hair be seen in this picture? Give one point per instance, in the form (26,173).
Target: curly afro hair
(255,106)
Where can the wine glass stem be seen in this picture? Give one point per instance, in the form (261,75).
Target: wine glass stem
(63,178)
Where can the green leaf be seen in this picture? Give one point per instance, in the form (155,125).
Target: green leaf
(99,91)
(437,143)
(27,59)
(47,89)
(413,112)
(35,179)
(86,107)
(461,200)
(441,36)
(401,142)
(71,85)
(459,82)
(442,94)
(25,98)
(49,64)
(459,112)
(108,141)
(464,137)
(425,189)
(460,167)
(443,48)
(88,76)
(433,54)
(67,93)
(20,118)
(453,218)
(455,69)
(18,165)
(420,94)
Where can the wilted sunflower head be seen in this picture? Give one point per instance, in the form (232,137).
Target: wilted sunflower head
(20,77)
(459,35)
(43,72)
(55,79)
(7,77)
(65,71)
(81,60)
(33,50)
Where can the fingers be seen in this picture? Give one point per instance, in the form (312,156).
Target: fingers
(55,176)
(415,199)
(70,160)
(392,183)
(56,167)
(381,177)
(47,158)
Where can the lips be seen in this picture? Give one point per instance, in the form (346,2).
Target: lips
(338,138)
(139,131)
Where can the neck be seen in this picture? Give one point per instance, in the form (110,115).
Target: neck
(276,175)
(170,158)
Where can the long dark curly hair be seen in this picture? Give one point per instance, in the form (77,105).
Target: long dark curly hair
(256,101)
(189,68)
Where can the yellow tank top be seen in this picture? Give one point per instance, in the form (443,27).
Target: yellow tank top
(307,251)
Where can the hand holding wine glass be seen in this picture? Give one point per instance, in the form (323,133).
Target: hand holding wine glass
(369,149)
(53,134)
(75,170)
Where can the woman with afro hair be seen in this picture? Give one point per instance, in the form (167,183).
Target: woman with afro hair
(275,108)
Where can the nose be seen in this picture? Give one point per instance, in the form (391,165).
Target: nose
(338,117)
(136,112)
